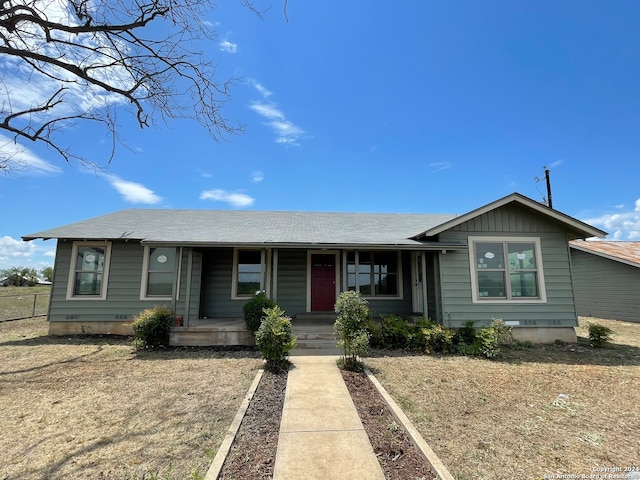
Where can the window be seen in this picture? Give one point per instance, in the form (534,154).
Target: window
(373,273)
(506,269)
(89,271)
(158,272)
(249,272)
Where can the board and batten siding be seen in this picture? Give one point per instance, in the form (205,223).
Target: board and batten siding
(605,288)
(508,221)
(123,293)
(291,281)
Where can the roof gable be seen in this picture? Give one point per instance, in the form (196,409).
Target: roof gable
(575,227)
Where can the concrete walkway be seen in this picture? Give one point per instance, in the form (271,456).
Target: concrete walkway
(321,435)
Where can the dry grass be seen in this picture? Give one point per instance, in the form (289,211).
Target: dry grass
(538,411)
(93,408)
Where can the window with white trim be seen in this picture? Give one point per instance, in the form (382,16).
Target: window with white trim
(249,272)
(89,271)
(159,272)
(374,273)
(506,269)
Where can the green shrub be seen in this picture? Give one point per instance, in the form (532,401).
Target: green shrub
(151,327)
(273,338)
(254,311)
(599,335)
(350,327)
(395,332)
(489,339)
(438,339)
(467,334)
(417,339)
(374,329)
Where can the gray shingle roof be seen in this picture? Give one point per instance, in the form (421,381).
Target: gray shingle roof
(250,227)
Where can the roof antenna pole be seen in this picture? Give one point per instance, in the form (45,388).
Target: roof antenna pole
(548,178)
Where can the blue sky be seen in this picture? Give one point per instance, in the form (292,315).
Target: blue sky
(372,106)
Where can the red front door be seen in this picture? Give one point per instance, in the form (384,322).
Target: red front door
(323,282)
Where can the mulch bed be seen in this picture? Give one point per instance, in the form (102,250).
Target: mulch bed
(253,453)
(398,455)
(252,456)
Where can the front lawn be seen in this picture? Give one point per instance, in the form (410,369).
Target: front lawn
(88,407)
(540,411)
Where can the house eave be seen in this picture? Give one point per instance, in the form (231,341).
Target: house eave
(417,246)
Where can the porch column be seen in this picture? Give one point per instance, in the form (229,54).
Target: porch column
(274,274)
(187,292)
(425,300)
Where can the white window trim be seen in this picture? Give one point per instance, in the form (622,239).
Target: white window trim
(399,296)
(265,272)
(145,276)
(72,271)
(542,291)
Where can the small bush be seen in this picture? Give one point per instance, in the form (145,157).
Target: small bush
(350,327)
(273,338)
(417,339)
(438,339)
(395,332)
(467,334)
(254,311)
(599,335)
(151,327)
(489,339)
(374,329)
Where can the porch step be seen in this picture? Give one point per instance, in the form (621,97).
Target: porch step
(315,334)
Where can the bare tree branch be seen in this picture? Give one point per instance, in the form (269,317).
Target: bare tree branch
(87,58)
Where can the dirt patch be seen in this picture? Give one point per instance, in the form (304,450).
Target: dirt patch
(398,455)
(94,408)
(548,410)
(253,453)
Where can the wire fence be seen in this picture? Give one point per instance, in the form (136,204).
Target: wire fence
(17,307)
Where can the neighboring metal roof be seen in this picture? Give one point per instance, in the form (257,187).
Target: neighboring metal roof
(250,227)
(624,252)
(576,227)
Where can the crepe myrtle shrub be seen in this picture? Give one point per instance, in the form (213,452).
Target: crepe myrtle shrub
(598,335)
(274,339)
(253,310)
(350,327)
(151,327)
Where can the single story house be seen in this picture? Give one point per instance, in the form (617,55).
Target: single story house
(508,259)
(606,279)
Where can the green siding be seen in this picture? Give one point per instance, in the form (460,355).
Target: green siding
(123,292)
(509,221)
(385,306)
(291,293)
(217,274)
(605,288)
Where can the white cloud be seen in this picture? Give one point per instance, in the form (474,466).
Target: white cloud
(14,253)
(286,132)
(233,198)
(21,159)
(257,176)
(133,192)
(227,46)
(263,91)
(623,225)
(439,166)
(268,111)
